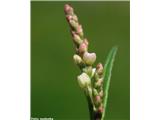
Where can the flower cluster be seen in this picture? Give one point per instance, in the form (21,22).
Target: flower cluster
(91,79)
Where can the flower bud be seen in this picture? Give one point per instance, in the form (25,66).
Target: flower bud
(73,24)
(101,93)
(101,109)
(76,38)
(99,83)
(99,69)
(93,72)
(77,59)
(89,58)
(88,70)
(83,48)
(98,99)
(75,18)
(79,30)
(95,92)
(83,80)
(68,9)
(68,17)
(96,76)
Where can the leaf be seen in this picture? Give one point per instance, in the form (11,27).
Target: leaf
(107,75)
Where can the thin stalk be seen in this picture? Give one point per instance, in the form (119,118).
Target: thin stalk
(90,106)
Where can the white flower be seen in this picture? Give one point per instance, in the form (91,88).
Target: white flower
(89,58)
(84,80)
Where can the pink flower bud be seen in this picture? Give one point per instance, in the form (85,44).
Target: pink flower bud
(99,68)
(98,99)
(68,9)
(68,17)
(89,58)
(99,83)
(83,47)
(100,109)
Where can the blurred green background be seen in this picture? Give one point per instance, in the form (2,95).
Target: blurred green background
(54,89)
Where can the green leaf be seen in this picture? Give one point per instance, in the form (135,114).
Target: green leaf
(107,75)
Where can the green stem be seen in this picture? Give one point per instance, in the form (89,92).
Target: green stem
(90,106)
(93,115)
